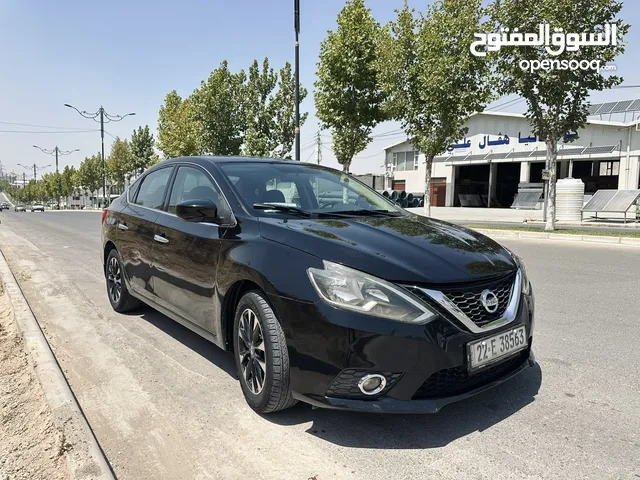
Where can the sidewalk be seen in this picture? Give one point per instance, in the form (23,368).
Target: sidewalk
(512,216)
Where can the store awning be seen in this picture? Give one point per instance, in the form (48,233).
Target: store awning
(525,156)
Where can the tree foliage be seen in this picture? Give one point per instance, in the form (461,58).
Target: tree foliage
(258,107)
(432,80)
(177,133)
(283,133)
(557,100)
(68,181)
(90,173)
(142,144)
(232,113)
(219,112)
(348,95)
(119,165)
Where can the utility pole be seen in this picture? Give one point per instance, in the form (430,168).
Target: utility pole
(104,118)
(56,151)
(296,26)
(318,148)
(35,170)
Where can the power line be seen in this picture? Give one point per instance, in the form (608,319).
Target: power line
(40,126)
(58,133)
(309,157)
(506,104)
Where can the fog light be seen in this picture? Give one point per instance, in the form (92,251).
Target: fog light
(372,383)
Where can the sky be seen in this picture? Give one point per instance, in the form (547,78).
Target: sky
(127,55)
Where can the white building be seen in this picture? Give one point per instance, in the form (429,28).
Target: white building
(500,152)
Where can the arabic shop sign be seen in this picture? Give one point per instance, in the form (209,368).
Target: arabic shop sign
(555,43)
(505,140)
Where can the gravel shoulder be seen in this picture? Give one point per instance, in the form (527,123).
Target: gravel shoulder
(31,447)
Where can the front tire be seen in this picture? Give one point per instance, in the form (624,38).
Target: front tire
(119,297)
(262,359)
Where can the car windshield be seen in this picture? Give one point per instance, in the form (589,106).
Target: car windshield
(295,188)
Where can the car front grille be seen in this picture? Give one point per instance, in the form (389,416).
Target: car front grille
(469,299)
(345,384)
(458,380)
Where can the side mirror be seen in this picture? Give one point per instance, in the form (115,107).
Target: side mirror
(197,211)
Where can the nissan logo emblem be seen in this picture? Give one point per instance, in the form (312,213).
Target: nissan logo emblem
(489,301)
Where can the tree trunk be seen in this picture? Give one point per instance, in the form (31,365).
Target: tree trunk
(427,186)
(345,192)
(551,161)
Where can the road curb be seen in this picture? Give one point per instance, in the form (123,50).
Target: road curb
(564,237)
(85,457)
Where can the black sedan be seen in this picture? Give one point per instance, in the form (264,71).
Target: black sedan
(324,290)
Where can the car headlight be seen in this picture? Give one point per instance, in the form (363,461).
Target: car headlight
(350,289)
(526,286)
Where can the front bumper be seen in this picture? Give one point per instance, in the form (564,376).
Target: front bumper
(325,342)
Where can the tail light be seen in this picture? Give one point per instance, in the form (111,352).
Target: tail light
(104,215)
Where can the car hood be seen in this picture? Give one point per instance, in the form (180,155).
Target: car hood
(408,249)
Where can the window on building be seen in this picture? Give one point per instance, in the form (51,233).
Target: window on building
(404,161)
(609,169)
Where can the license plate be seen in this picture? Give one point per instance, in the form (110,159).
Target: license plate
(492,349)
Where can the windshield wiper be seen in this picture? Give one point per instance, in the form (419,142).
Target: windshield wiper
(281,208)
(360,213)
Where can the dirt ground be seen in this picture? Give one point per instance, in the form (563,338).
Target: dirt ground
(31,448)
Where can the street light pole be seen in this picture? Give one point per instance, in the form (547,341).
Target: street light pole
(104,170)
(35,169)
(296,25)
(56,151)
(104,118)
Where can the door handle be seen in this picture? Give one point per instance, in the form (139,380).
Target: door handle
(160,239)
(123,227)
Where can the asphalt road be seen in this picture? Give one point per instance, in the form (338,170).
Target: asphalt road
(165,404)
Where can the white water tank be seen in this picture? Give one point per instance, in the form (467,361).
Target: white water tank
(569,199)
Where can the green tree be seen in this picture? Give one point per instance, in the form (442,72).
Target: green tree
(557,99)
(68,181)
(258,100)
(142,143)
(49,186)
(283,111)
(177,129)
(153,160)
(219,112)
(348,95)
(119,165)
(433,81)
(90,174)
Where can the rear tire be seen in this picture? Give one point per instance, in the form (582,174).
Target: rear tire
(119,297)
(262,359)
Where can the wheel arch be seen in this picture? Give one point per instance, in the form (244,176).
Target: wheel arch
(229,304)
(107,249)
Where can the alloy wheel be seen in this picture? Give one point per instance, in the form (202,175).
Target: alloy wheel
(114,280)
(253,359)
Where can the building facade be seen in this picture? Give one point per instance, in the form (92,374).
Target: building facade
(500,153)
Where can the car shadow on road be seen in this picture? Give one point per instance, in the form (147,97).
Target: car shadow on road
(379,431)
(203,347)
